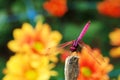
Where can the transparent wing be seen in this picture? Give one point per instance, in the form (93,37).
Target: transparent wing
(60,48)
(65,44)
(98,58)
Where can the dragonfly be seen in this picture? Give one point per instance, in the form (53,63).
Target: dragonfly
(79,43)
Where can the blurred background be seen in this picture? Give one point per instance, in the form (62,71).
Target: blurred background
(69,22)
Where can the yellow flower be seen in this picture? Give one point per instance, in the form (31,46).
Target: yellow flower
(36,40)
(90,69)
(115,37)
(115,52)
(115,41)
(28,67)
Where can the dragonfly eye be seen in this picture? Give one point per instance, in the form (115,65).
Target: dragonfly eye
(72,48)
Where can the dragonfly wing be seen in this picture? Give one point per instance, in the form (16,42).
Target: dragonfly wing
(99,58)
(59,48)
(65,44)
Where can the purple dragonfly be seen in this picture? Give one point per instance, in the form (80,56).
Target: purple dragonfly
(78,42)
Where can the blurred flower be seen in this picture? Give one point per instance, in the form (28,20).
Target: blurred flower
(35,41)
(115,41)
(64,55)
(109,8)
(56,7)
(114,37)
(90,69)
(29,67)
(35,53)
(115,52)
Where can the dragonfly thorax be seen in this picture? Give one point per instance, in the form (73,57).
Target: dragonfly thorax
(73,48)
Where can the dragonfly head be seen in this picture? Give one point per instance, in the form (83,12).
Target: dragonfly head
(73,48)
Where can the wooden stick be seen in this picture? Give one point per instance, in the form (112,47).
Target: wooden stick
(71,67)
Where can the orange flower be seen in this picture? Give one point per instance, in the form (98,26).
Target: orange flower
(115,41)
(109,8)
(56,7)
(90,69)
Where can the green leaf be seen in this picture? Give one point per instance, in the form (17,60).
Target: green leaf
(2,66)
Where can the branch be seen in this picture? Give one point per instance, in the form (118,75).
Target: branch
(71,68)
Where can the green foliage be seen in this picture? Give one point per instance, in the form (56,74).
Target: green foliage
(2,66)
